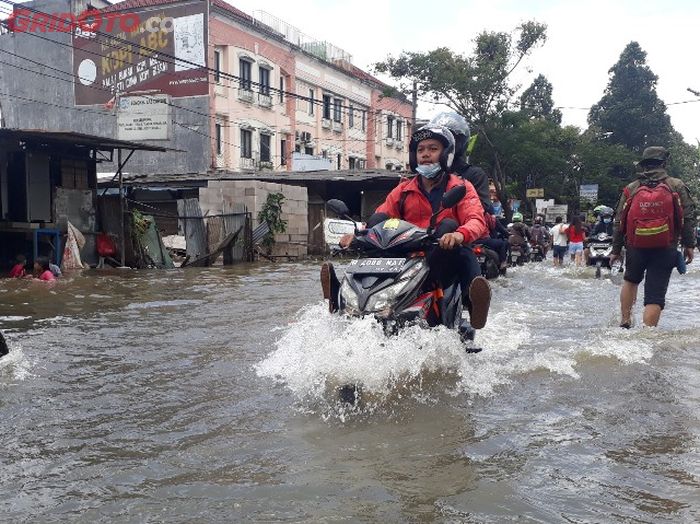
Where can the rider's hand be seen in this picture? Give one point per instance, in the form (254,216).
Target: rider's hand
(451,240)
(346,240)
(689,251)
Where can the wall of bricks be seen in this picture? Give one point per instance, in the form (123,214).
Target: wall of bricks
(253,194)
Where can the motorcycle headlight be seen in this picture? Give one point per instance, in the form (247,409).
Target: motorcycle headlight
(349,295)
(383,299)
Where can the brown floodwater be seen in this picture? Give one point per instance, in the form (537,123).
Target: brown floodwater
(208,395)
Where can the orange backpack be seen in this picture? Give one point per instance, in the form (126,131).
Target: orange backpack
(652,216)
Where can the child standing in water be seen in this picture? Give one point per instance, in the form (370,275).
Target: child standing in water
(42,268)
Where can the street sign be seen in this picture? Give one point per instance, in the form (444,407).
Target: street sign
(535,192)
(559,210)
(588,192)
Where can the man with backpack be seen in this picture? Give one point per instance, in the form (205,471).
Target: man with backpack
(653,214)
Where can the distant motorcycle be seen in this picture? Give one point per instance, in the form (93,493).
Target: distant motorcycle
(600,250)
(517,255)
(537,253)
(488,261)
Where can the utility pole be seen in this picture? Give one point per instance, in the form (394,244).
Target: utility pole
(414,103)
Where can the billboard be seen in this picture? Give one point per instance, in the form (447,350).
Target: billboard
(143,117)
(142,59)
(588,192)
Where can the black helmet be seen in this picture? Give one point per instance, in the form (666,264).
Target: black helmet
(607,212)
(443,135)
(459,127)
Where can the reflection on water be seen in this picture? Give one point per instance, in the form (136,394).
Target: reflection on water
(210,395)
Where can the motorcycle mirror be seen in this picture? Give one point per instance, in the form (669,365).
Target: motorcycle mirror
(452,197)
(338,207)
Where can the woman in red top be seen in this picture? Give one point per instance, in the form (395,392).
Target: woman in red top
(18,270)
(576,236)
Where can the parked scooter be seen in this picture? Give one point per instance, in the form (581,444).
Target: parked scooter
(600,250)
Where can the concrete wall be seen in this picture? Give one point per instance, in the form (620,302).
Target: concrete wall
(253,194)
(59,112)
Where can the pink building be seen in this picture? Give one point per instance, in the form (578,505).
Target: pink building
(277,99)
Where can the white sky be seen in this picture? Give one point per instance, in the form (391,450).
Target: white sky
(585,39)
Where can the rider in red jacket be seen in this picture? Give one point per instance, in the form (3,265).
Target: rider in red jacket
(431,155)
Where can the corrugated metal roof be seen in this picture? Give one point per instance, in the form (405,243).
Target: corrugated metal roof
(79,139)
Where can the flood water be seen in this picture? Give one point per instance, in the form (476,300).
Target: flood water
(208,395)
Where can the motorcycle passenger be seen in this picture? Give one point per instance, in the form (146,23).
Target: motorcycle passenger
(519,234)
(461,167)
(540,235)
(431,153)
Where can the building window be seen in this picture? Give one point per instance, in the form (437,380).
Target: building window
(297,148)
(264,80)
(324,153)
(245,74)
(337,110)
(312,102)
(308,150)
(281,89)
(351,162)
(364,117)
(217,66)
(264,147)
(327,107)
(390,127)
(340,159)
(246,144)
(399,130)
(219,144)
(351,117)
(283,152)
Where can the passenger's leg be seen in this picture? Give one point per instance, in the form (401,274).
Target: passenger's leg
(628,296)
(661,265)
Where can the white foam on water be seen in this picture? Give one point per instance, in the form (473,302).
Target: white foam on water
(13,318)
(15,364)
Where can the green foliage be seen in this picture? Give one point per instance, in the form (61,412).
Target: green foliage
(537,101)
(271,213)
(630,112)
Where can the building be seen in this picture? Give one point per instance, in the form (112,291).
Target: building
(237,92)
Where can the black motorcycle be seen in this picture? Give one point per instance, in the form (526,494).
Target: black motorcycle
(537,253)
(488,260)
(517,255)
(391,279)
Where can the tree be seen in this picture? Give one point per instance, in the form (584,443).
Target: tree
(630,112)
(537,101)
(477,86)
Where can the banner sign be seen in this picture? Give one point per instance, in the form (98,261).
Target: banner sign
(134,60)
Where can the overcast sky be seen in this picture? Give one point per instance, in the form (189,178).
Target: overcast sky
(585,38)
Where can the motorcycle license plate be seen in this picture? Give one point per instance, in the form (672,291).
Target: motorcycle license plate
(600,246)
(376,265)
(481,259)
(514,257)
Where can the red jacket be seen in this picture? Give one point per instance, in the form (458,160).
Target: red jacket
(417,210)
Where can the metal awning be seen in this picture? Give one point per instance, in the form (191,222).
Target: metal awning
(98,143)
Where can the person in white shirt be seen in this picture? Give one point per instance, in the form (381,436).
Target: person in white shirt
(559,241)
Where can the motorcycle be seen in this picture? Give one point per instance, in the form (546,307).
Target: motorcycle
(517,255)
(488,261)
(599,252)
(537,252)
(391,278)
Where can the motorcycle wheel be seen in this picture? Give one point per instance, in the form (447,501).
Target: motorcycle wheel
(492,269)
(597,270)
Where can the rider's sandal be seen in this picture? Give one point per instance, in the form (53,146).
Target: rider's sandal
(480,298)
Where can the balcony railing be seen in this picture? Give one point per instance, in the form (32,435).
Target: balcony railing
(265,164)
(264,100)
(326,123)
(245,94)
(337,126)
(389,141)
(398,144)
(248,164)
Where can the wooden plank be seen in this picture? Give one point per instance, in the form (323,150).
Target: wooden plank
(209,259)
(193,227)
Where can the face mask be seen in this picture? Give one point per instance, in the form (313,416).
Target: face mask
(606,220)
(429,170)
